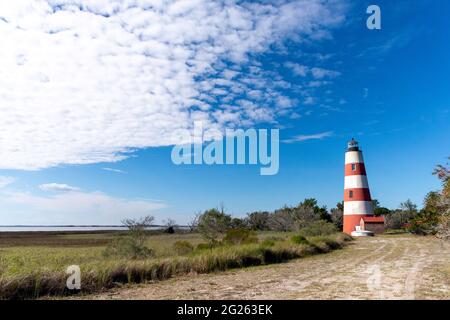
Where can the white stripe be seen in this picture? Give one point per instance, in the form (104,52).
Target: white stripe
(358,207)
(353,157)
(357,181)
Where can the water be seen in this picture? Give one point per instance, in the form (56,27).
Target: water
(63,228)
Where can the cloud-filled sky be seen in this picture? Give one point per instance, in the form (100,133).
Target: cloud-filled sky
(92,91)
(87,81)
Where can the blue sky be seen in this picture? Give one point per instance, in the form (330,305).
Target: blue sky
(86,88)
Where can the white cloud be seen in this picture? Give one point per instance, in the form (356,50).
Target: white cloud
(60,187)
(317,73)
(305,137)
(91,81)
(72,208)
(320,73)
(317,84)
(4,181)
(297,69)
(114,170)
(365,93)
(309,101)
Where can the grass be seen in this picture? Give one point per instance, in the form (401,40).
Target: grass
(31,269)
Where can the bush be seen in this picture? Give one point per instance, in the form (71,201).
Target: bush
(299,239)
(183,247)
(133,244)
(209,245)
(213,223)
(170,230)
(267,243)
(424,223)
(337,216)
(276,238)
(128,247)
(443,228)
(258,220)
(239,236)
(318,228)
(325,244)
(237,223)
(397,219)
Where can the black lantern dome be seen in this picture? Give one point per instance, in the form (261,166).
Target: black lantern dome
(352,145)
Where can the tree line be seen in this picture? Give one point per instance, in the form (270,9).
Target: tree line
(433,218)
(307,218)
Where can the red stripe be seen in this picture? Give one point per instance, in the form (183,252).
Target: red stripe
(359,169)
(350,221)
(357,194)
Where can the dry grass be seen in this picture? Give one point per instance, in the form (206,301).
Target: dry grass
(33,271)
(411,267)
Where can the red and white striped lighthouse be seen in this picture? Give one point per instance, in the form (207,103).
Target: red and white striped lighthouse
(357,201)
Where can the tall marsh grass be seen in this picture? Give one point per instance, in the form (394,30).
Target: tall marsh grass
(104,274)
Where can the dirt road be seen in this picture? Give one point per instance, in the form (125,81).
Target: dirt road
(384,267)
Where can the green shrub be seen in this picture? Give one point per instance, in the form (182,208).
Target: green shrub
(170,230)
(212,224)
(205,246)
(240,236)
(183,247)
(424,223)
(342,237)
(127,247)
(325,244)
(267,243)
(275,238)
(299,239)
(318,228)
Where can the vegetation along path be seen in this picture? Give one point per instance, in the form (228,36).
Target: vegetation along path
(383,267)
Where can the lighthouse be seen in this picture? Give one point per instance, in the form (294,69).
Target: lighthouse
(357,201)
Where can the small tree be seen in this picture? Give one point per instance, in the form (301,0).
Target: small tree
(170,225)
(424,223)
(435,216)
(399,218)
(137,228)
(213,223)
(375,204)
(323,214)
(281,220)
(443,204)
(306,212)
(258,220)
(432,202)
(378,210)
(237,223)
(381,211)
(408,206)
(193,223)
(237,236)
(132,245)
(337,216)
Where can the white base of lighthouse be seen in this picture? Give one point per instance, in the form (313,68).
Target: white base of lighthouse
(362,233)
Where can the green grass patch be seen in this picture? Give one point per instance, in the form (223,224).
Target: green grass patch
(33,271)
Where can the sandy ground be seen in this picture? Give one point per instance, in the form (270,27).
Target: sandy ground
(384,267)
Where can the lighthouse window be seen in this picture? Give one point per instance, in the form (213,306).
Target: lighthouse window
(350,193)
(353,166)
